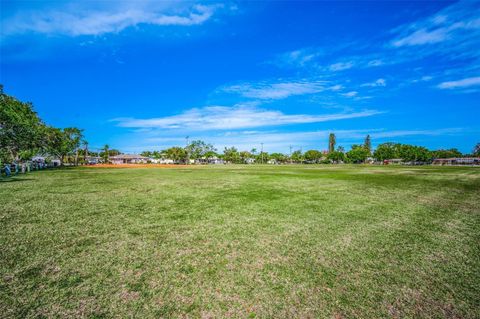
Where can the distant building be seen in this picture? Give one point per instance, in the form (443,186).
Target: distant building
(216,160)
(166,161)
(128,159)
(249,160)
(209,160)
(457,161)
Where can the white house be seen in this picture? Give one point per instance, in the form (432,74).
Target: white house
(166,161)
(249,160)
(128,159)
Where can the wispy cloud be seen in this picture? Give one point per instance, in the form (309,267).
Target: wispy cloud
(463,83)
(227,118)
(278,90)
(298,58)
(350,94)
(402,133)
(340,66)
(452,32)
(422,36)
(77,22)
(425,78)
(378,82)
(449,24)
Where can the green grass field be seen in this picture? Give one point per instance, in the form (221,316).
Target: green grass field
(242,242)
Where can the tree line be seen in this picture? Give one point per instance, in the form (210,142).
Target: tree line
(359,153)
(23,135)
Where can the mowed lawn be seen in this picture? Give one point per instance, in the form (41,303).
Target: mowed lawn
(241,242)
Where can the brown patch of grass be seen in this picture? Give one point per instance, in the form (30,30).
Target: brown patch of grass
(128,296)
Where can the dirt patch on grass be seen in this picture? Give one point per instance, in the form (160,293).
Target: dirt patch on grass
(127,296)
(418,304)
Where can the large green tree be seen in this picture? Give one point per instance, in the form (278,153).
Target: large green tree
(177,154)
(297,156)
(336,156)
(198,148)
(453,152)
(313,155)
(279,157)
(62,142)
(406,152)
(386,151)
(20,127)
(262,157)
(245,156)
(358,154)
(413,153)
(231,155)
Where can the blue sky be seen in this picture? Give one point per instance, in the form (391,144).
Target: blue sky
(146,74)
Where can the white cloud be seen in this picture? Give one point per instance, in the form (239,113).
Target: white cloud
(378,82)
(76,22)
(297,58)
(457,22)
(223,118)
(426,78)
(337,87)
(463,83)
(340,66)
(350,94)
(422,37)
(276,91)
(401,133)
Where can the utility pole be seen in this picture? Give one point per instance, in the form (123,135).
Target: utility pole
(262,152)
(290,154)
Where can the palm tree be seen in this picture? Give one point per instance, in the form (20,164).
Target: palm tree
(331,143)
(368,144)
(476,149)
(105,152)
